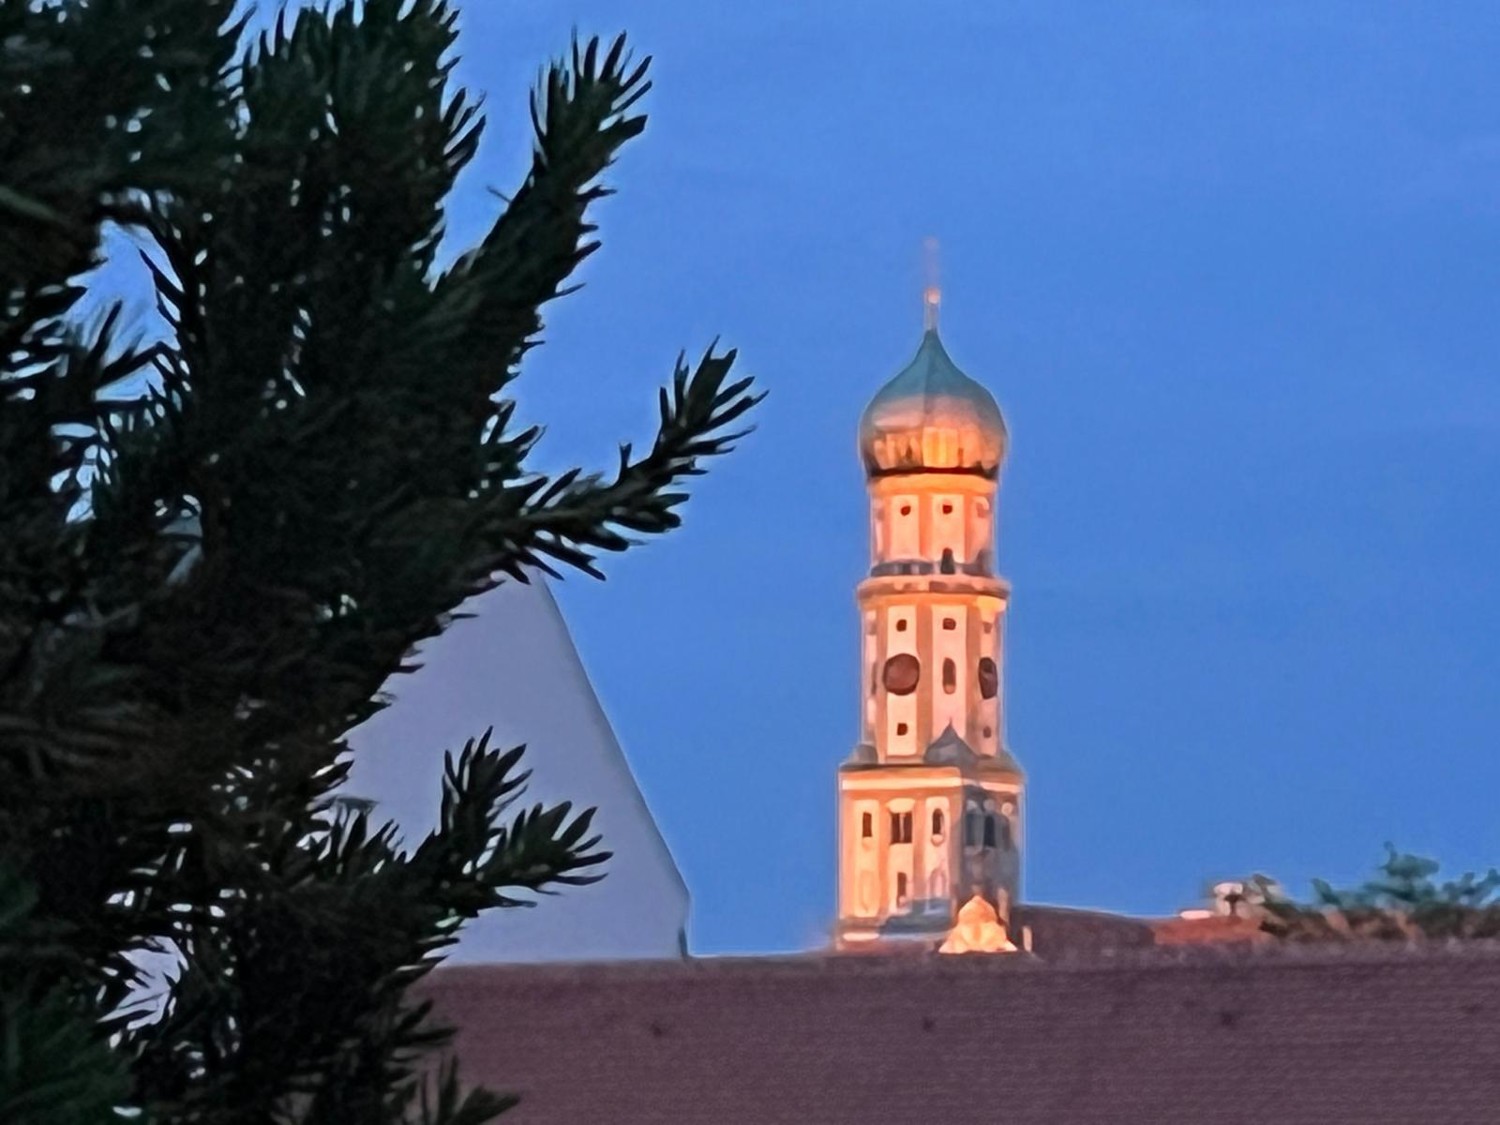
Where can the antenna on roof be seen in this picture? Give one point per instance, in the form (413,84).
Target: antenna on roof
(932,293)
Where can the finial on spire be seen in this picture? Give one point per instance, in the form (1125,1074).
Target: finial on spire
(932,293)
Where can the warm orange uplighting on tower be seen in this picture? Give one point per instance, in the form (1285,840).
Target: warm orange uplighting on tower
(930,800)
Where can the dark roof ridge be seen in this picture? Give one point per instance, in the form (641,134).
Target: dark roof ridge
(1272,954)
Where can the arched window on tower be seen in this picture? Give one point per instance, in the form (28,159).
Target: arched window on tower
(990,839)
(989,678)
(937,824)
(971,829)
(950,676)
(866,825)
(901,827)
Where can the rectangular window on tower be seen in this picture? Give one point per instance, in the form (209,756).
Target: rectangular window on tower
(902,894)
(904,528)
(948,527)
(900,827)
(866,826)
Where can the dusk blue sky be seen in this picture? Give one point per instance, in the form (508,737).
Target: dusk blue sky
(1233,274)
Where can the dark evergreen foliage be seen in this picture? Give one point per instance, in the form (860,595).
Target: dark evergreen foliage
(216,547)
(1403,904)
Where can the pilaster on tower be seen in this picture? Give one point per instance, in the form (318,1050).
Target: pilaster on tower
(930,800)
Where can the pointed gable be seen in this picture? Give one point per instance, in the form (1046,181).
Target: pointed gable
(513,666)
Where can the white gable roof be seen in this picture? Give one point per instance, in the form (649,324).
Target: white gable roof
(512,666)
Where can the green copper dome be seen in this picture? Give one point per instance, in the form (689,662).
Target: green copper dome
(932,418)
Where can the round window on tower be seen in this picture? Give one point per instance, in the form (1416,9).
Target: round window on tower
(902,672)
(989,678)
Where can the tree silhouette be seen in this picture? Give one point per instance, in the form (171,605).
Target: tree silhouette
(215,547)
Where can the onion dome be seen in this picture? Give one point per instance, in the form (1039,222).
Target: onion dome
(932,418)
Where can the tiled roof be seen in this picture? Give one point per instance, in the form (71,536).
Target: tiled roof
(1059,931)
(1196,1035)
(1214,928)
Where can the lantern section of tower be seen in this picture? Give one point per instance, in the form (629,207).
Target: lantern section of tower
(930,800)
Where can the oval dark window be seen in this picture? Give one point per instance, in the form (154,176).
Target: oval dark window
(902,673)
(989,677)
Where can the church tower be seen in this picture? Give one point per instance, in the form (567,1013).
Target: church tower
(930,800)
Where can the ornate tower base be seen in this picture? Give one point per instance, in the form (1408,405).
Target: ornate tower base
(920,841)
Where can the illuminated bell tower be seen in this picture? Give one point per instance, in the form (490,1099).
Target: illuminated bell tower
(930,799)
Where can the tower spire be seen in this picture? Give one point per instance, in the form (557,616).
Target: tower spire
(930,800)
(932,293)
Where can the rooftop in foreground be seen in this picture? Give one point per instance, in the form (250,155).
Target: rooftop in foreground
(1156,1035)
